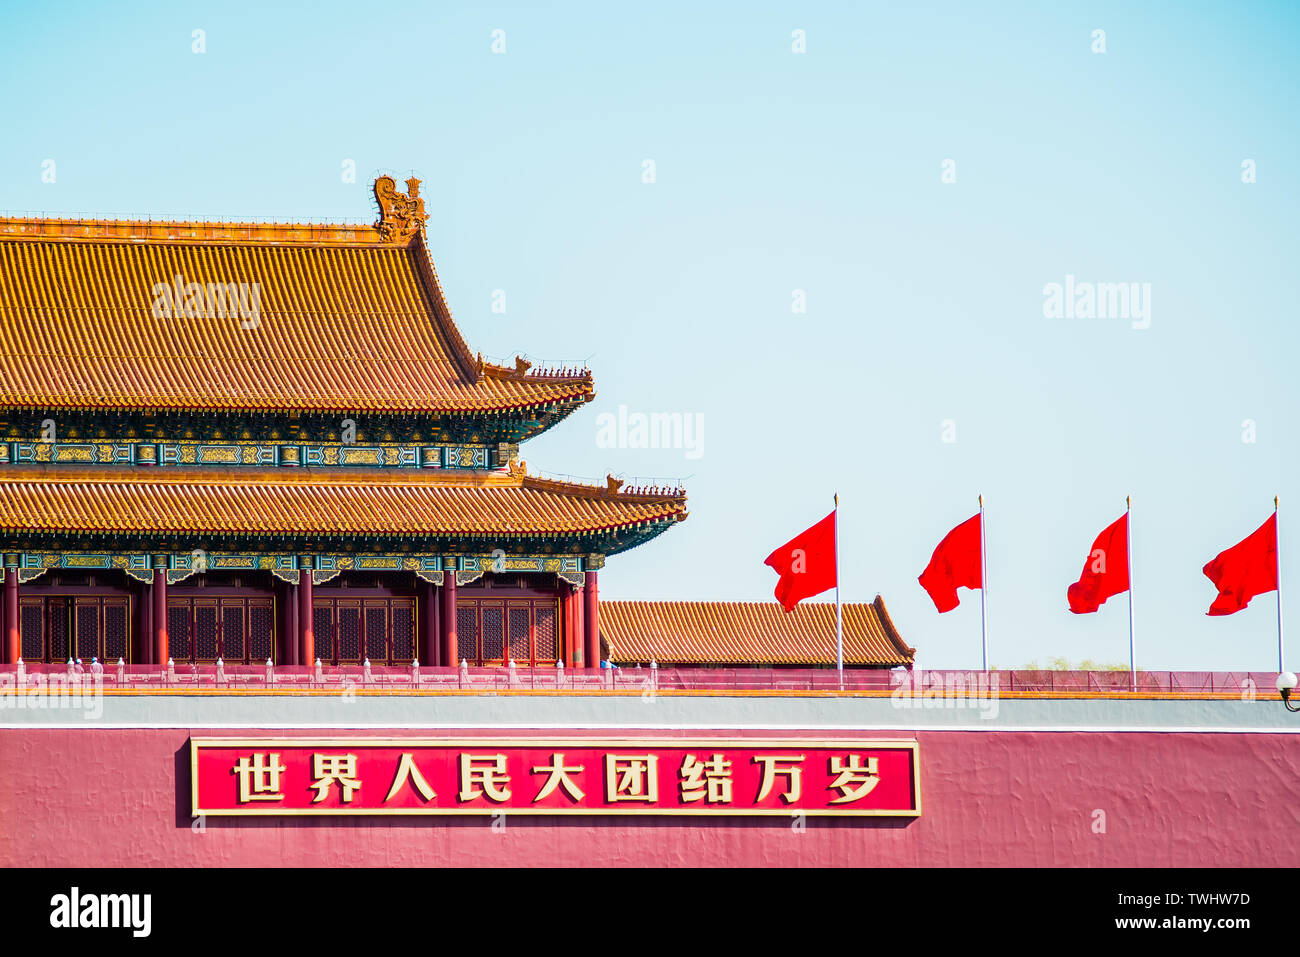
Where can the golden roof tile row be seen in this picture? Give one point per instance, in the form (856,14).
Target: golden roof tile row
(742,633)
(252,501)
(346,325)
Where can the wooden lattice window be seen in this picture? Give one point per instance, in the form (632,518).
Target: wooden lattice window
(348,631)
(322,629)
(178,630)
(236,630)
(402,631)
(496,631)
(54,628)
(492,631)
(116,632)
(467,633)
(348,615)
(261,631)
(233,628)
(544,646)
(32,618)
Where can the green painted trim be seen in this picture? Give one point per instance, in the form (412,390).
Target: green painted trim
(325,567)
(190,453)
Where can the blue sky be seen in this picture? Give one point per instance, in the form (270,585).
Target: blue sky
(775,172)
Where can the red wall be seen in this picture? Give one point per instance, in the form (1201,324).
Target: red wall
(111,798)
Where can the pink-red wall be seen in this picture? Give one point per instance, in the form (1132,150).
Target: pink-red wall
(111,798)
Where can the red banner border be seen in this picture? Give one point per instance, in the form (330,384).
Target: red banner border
(897,744)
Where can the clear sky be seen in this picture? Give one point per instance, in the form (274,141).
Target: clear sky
(777,171)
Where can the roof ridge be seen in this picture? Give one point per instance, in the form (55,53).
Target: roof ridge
(735,601)
(187,230)
(613,488)
(525,369)
(890,630)
(441,312)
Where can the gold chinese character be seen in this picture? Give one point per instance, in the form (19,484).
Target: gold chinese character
(632,777)
(408,772)
(265,783)
(559,776)
(854,781)
(710,778)
(772,766)
(328,768)
(488,770)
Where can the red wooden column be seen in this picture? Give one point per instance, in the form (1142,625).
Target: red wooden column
(306,636)
(160,649)
(144,634)
(449,658)
(579,657)
(590,622)
(566,617)
(12,644)
(573,626)
(430,651)
(290,641)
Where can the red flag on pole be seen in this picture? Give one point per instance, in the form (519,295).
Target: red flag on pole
(955,563)
(1105,573)
(1245,570)
(806,564)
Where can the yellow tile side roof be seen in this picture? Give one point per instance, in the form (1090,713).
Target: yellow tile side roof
(318,501)
(720,633)
(343,326)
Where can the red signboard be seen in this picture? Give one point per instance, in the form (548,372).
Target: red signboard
(359,775)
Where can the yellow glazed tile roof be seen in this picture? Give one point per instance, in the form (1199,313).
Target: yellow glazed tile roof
(736,633)
(255,501)
(346,323)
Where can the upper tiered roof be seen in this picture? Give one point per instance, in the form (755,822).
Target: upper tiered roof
(351,319)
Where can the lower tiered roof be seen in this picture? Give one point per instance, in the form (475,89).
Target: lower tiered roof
(248,503)
(749,633)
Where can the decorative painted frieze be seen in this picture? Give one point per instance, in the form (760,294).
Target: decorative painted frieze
(324,568)
(426,567)
(473,567)
(191,453)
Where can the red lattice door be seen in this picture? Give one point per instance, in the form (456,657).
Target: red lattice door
(499,631)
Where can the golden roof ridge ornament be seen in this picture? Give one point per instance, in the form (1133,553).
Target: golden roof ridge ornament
(401,215)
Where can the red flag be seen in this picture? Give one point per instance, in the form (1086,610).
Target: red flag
(1105,573)
(956,562)
(806,564)
(1245,570)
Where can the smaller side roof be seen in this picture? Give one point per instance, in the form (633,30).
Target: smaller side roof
(744,633)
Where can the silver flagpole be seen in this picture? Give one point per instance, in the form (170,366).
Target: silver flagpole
(839,611)
(1128,541)
(984,590)
(1277,532)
